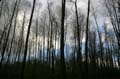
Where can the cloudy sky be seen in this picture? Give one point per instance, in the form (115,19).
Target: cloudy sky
(82,4)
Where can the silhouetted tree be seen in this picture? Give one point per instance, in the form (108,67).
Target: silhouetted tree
(63,68)
(86,43)
(26,42)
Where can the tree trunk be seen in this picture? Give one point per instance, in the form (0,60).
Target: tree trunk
(26,43)
(86,42)
(63,68)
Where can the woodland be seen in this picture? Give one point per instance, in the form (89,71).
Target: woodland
(57,39)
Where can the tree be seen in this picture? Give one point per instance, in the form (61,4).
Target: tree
(113,13)
(86,43)
(26,42)
(8,33)
(114,16)
(63,68)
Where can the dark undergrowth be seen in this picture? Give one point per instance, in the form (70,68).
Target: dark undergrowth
(40,70)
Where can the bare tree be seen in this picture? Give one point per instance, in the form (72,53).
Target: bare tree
(26,42)
(8,33)
(87,32)
(63,68)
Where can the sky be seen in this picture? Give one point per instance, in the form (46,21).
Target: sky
(82,4)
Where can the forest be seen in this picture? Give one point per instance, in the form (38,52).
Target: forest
(59,39)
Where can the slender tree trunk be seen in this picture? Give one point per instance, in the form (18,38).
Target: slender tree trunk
(26,43)
(21,38)
(86,43)
(14,32)
(7,37)
(63,68)
(78,35)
